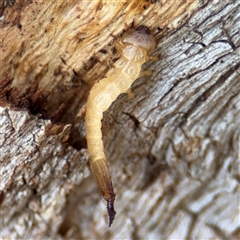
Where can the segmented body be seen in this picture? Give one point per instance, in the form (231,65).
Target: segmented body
(137,45)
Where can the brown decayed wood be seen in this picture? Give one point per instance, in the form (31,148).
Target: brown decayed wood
(173,150)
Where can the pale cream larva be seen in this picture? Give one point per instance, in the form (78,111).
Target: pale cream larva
(137,45)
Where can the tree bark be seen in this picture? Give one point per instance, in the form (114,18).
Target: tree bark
(173,150)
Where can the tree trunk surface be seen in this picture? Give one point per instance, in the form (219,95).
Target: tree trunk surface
(173,149)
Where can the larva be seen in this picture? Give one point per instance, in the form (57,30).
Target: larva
(136,47)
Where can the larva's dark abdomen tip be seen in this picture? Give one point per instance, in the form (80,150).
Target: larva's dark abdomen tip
(111,211)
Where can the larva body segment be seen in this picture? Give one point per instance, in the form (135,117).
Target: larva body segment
(137,45)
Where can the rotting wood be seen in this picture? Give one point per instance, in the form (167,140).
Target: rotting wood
(172,151)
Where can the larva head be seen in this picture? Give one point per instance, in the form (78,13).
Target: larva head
(141,37)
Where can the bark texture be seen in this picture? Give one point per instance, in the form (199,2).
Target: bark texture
(173,150)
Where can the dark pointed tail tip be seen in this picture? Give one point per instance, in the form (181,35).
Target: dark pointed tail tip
(111,211)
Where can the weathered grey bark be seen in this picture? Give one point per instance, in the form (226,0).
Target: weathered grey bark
(173,150)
